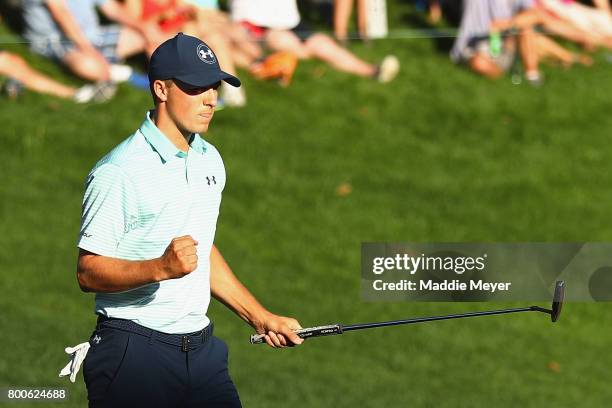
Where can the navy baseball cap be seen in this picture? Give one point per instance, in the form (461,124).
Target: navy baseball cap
(190,60)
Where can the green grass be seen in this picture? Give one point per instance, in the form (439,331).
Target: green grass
(438,155)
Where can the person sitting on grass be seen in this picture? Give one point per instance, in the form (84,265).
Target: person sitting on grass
(594,22)
(69,31)
(277,24)
(173,16)
(20,74)
(481,46)
(246,53)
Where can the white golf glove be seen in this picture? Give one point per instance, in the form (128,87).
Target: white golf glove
(77,355)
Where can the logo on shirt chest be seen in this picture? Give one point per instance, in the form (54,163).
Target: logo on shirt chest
(211,180)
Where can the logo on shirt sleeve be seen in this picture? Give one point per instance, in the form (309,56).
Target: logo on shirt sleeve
(131,223)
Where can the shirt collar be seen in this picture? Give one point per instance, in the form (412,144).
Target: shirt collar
(163,146)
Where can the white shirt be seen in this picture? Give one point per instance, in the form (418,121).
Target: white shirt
(139,197)
(279,14)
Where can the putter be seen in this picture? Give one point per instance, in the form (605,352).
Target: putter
(332,329)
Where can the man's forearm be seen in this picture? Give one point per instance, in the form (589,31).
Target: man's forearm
(98,273)
(226,288)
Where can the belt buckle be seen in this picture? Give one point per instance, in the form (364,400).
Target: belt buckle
(185,343)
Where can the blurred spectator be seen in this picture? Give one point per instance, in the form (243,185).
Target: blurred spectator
(481,45)
(342,13)
(70,31)
(172,16)
(595,21)
(20,74)
(277,24)
(244,51)
(434,9)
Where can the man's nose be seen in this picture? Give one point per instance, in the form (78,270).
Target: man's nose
(210,97)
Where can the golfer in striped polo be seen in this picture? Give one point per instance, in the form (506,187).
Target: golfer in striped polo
(147,250)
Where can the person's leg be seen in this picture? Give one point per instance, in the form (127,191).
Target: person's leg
(242,42)
(342,14)
(568,31)
(86,66)
(211,384)
(324,48)
(131,43)
(17,68)
(435,11)
(483,65)
(362,19)
(241,59)
(285,40)
(127,370)
(548,48)
(529,54)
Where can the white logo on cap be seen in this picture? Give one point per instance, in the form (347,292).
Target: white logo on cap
(206,54)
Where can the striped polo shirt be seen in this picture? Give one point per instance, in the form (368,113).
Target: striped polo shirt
(140,196)
(476,22)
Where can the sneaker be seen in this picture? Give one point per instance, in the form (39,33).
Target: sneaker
(388,69)
(98,92)
(534,79)
(120,73)
(12,88)
(232,96)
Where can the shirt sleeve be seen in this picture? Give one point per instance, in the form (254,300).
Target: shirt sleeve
(522,5)
(108,212)
(500,9)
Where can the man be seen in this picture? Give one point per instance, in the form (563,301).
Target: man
(70,32)
(146,249)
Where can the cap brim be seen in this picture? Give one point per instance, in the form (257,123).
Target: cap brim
(197,80)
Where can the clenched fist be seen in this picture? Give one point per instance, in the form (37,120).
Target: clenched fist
(180,257)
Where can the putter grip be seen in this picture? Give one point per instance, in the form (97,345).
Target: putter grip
(328,330)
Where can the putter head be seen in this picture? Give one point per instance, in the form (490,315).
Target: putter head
(557,302)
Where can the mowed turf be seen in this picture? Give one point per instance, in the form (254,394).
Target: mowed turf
(438,155)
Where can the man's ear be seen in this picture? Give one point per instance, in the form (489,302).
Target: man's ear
(160,89)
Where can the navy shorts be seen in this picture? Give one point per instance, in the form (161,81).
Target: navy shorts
(131,366)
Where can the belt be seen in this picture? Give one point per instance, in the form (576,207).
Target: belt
(186,341)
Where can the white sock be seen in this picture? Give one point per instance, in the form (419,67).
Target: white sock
(532,75)
(84,94)
(233,96)
(120,73)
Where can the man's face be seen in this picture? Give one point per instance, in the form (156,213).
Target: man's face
(191,109)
